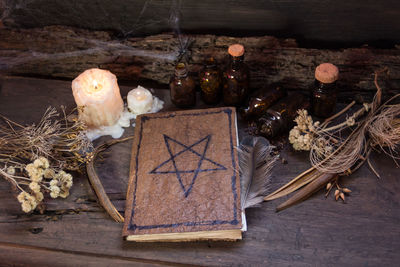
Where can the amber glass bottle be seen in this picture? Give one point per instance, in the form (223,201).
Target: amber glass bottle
(324,92)
(182,87)
(236,77)
(279,118)
(210,82)
(260,101)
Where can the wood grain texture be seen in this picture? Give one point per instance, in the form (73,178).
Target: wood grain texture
(64,52)
(323,22)
(362,232)
(21,255)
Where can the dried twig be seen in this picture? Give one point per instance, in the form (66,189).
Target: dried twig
(308,190)
(97,185)
(337,114)
(333,156)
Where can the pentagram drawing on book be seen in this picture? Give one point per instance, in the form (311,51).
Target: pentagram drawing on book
(184,181)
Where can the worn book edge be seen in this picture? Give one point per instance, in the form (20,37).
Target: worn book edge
(227,235)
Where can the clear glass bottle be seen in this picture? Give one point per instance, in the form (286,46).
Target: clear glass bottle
(182,87)
(210,82)
(279,118)
(324,92)
(261,100)
(236,77)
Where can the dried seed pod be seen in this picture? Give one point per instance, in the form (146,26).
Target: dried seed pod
(341,196)
(337,193)
(328,186)
(346,190)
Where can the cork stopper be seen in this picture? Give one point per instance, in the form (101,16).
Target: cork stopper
(236,50)
(326,73)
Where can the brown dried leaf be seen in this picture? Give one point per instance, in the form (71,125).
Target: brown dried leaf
(328,186)
(342,196)
(337,193)
(346,190)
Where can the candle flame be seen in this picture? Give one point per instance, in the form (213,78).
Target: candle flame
(95,84)
(140,96)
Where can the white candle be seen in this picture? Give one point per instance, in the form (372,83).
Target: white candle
(140,100)
(98,98)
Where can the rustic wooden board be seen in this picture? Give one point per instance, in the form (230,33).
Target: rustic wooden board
(25,255)
(322,22)
(65,52)
(320,231)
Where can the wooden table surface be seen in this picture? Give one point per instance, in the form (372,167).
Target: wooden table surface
(364,231)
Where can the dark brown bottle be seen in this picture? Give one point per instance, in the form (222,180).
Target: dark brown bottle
(236,77)
(324,93)
(279,118)
(261,100)
(211,82)
(182,87)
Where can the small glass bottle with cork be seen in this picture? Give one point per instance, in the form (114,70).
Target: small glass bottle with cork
(236,77)
(260,100)
(210,82)
(278,119)
(182,87)
(324,92)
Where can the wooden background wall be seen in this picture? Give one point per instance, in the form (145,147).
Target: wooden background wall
(60,39)
(322,23)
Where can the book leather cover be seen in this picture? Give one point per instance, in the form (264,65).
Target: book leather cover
(184,173)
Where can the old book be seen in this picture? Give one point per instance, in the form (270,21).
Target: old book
(184,180)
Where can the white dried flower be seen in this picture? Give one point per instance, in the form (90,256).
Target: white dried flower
(60,184)
(37,163)
(28,202)
(41,162)
(22,196)
(45,163)
(68,184)
(39,196)
(36,174)
(29,168)
(49,173)
(26,207)
(302,134)
(35,187)
(10,170)
(53,182)
(54,191)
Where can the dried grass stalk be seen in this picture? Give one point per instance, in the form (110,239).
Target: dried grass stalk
(332,154)
(34,158)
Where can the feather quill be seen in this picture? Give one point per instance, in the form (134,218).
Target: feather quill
(255,164)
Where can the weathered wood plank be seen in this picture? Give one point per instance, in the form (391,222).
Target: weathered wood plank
(64,52)
(362,232)
(320,231)
(318,22)
(20,255)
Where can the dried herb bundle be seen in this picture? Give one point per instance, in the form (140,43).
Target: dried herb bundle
(373,126)
(35,158)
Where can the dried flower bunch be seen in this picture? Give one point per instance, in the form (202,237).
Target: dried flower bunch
(35,158)
(334,154)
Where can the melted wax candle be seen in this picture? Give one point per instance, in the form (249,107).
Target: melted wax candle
(98,98)
(140,100)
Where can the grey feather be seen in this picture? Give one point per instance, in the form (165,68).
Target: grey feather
(255,164)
